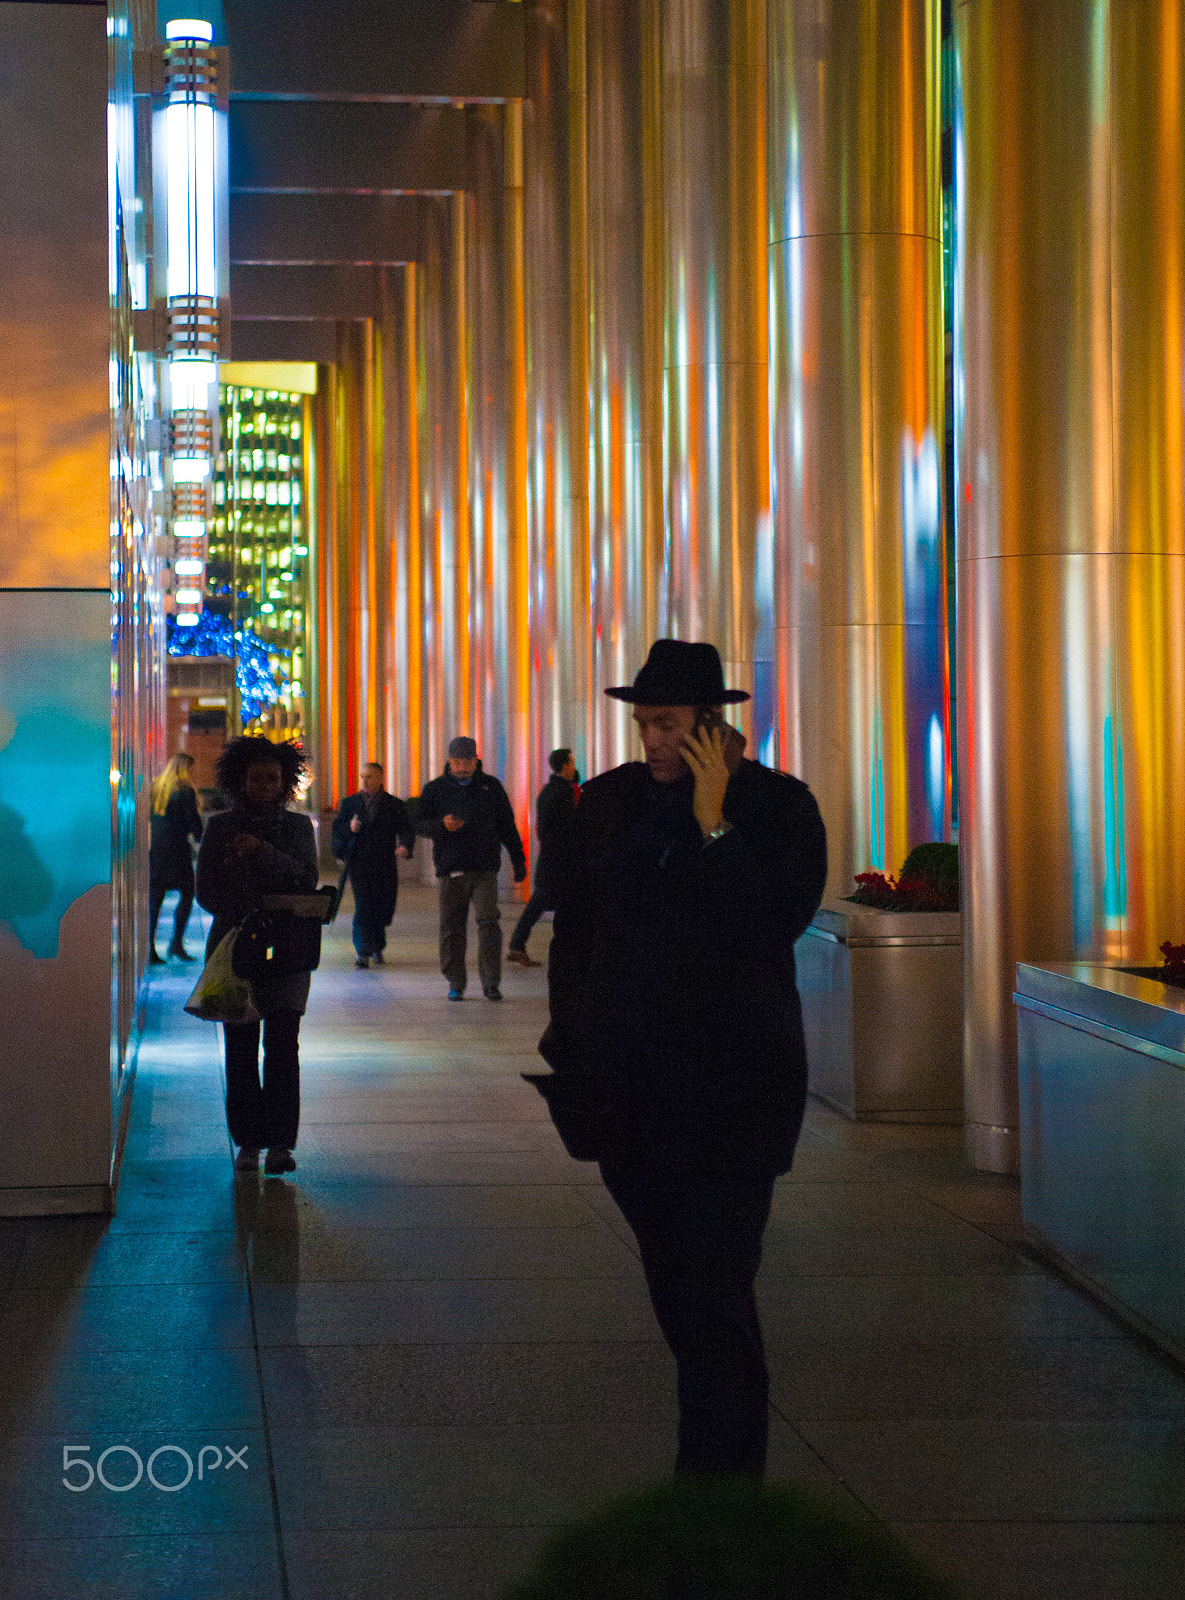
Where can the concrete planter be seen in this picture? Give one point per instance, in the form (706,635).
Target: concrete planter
(882,1000)
(1102,1107)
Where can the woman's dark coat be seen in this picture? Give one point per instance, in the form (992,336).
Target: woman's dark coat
(229,886)
(369,854)
(671,971)
(170,864)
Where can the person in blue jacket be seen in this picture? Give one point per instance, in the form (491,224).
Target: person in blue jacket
(468,817)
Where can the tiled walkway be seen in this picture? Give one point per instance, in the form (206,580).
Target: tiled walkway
(434,1340)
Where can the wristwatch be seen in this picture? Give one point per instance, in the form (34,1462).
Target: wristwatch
(718,832)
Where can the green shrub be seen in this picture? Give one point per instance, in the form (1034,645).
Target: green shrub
(727,1539)
(936,864)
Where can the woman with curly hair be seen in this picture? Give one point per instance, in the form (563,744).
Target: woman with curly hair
(258,848)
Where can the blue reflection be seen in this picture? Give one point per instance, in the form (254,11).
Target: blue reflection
(925,686)
(55,762)
(1115,878)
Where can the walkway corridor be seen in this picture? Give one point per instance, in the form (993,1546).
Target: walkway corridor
(433,1343)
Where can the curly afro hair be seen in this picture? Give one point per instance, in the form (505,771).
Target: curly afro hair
(242,753)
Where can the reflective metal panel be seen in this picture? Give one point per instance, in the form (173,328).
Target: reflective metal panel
(857,418)
(625,504)
(406,693)
(716,465)
(1072,606)
(489,575)
(55,313)
(437,488)
(517,771)
(883,1012)
(1102,1097)
(555,326)
(853,146)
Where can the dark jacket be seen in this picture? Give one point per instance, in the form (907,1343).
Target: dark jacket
(170,865)
(671,973)
(230,886)
(370,853)
(555,819)
(489,824)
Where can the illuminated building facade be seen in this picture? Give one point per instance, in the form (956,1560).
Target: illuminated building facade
(257,574)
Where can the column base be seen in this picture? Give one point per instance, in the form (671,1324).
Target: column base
(993,1149)
(64,1200)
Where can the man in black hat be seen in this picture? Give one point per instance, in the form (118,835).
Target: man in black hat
(468,816)
(676,1038)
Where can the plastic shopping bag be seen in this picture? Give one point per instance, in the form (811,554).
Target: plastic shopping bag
(218,995)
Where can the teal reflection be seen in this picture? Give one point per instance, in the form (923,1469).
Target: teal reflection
(55,824)
(926,709)
(1115,876)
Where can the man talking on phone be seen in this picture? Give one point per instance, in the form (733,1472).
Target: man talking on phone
(675,1040)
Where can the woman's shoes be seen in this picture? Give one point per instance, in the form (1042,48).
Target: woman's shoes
(180,953)
(279,1159)
(154,960)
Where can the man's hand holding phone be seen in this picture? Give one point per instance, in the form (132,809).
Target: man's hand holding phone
(703,750)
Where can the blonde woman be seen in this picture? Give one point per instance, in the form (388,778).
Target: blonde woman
(175,821)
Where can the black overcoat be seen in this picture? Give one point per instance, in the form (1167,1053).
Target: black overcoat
(671,972)
(369,854)
(555,820)
(170,864)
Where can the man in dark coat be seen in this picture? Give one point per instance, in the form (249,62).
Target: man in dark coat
(555,813)
(676,1038)
(468,816)
(371,831)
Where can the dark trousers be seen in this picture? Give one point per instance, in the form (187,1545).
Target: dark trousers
(374,906)
(455,895)
(700,1242)
(156,900)
(267,1113)
(532,911)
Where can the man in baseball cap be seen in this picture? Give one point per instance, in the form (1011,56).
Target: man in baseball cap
(468,817)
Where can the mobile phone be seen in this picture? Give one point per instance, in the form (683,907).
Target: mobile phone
(709,718)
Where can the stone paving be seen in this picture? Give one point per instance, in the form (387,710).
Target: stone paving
(398,1369)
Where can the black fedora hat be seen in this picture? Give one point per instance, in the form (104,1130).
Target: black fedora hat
(679,674)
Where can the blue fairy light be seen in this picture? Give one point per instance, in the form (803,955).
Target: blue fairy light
(212,635)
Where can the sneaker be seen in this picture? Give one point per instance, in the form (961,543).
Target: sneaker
(521,958)
(492,993)
(456,994)
(279,1159)
(363,962)
(377,958)
(247,1159)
